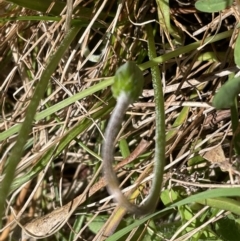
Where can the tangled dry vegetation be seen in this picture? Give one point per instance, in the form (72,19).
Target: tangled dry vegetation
(60,164)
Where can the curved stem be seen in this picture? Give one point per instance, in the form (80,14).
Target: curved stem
(123,101)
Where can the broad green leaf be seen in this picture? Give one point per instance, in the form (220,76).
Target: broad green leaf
(227,93)
(211,6)
(97,223)
(237,51)
(170,196)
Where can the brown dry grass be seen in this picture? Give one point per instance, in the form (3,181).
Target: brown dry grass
(194,128)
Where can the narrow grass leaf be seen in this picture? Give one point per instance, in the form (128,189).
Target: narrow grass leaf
(22,138)
(222,203)
(237,51)
(78,224)
(62,104)
(41,6)
(65,140)
(165,20)
(185,49)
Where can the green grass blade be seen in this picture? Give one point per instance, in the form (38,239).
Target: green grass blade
(22,138)
(165,20)
(74,98)
(83,22)
(55,10)
(220,192)
(222,203)
(237,51)
(41,6)
(185,49)
(66,139)
(53,109)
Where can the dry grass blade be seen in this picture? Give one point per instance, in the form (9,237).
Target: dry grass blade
(60,165)
(47,225)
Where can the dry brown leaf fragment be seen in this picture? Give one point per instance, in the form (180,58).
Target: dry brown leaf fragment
(47,225)
(215,155)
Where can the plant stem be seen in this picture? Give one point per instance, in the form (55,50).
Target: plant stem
(124,98)
(160,123)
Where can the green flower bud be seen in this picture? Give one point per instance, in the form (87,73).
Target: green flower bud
(128,79)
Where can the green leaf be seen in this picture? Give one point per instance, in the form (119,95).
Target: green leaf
(227,93)
(78,224)
(97,223)
(222,203)
(41,6)
(178,122)
(55,10)
(211,6)
(123,145)
(237,51)
(164,17)
(170,196)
